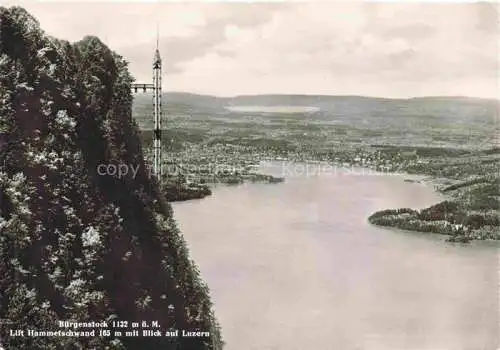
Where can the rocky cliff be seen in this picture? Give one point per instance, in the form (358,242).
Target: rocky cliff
(76,244)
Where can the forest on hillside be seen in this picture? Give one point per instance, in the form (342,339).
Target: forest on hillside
(74,244)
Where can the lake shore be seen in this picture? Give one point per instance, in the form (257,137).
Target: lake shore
(462,224)
(469,212)
(454,216)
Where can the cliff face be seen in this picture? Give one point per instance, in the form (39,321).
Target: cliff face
(75,244)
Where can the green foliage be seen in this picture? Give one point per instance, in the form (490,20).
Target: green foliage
(438,211)
(447,217)
(175,191)
(76,245)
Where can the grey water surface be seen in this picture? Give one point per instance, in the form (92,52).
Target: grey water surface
(296,265)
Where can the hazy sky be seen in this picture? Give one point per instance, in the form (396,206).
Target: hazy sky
(341,48)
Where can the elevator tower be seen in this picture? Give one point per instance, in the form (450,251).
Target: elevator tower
(157,112)
(156,89)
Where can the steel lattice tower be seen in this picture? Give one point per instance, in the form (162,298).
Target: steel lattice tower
(156,88)
(157,112)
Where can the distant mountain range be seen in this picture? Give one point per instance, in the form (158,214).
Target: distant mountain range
(445,109)
(316,100)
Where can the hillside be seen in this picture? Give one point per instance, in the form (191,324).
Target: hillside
(471,183)
(76,244)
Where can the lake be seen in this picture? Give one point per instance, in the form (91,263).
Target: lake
(273,109)
(296,266)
